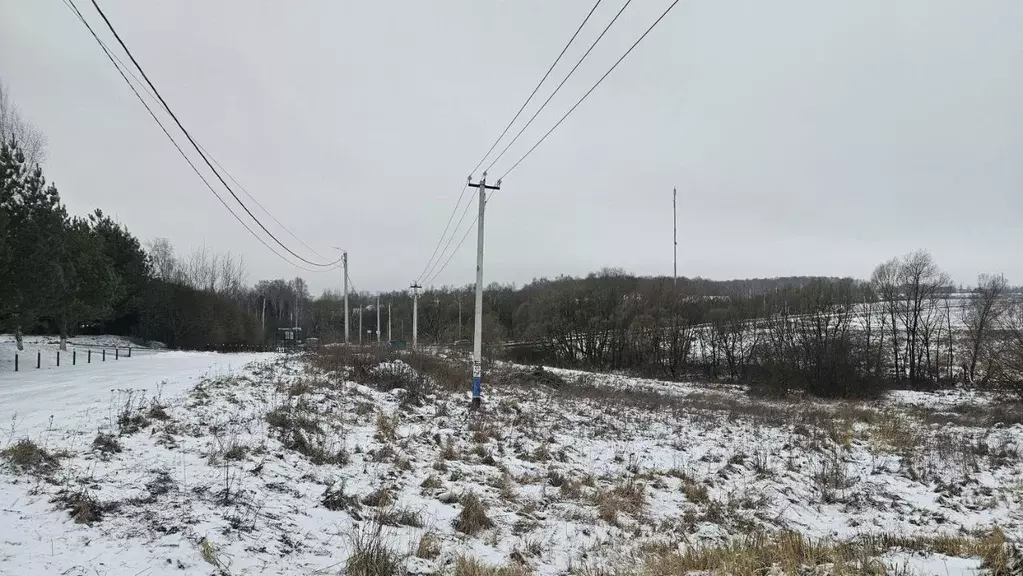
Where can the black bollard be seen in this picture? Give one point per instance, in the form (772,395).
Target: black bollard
(104,354)
(39,360)
(117,352)
(129,347)
(15,361)
(58,358)
(74,357)
(88,356)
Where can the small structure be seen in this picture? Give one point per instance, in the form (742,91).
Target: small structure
(289,337)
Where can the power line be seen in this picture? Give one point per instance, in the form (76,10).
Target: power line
(556,90)
(445,232)
(263,208)
(537,88)
(461,195)
(459,245)
(452,237)
(114,61)
(196,146)
(594,87)
(124,68)
(354,289)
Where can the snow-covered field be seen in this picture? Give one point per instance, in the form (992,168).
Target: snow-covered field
(47,347)
(183,463)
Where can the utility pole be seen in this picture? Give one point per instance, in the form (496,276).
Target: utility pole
(263,318)
(415,314)
(674,235)
(436,302)
(378,319)
(477,343)
(459,316)
(344,258)
(360,325)
(389,339)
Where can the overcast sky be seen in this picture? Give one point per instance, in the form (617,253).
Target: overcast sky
(805,137)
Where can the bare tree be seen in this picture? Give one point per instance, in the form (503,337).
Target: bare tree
(231,272)
(921,282)
(161,255)
(13,127)
(886,285)
(981,315)
(1011,352)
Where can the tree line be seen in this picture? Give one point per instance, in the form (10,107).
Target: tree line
(65,274)
(908,326)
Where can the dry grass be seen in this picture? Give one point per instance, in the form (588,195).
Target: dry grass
(385,428)
(334,498)
(471,567)
(381,497)
(299,429)
(473,518)
(572,489)
(449,451)
(628,498)
(158,412)
(27,457)
(432,482)
(696,493)
(831,478)
(429,546)
(106,444)
(894,432)
(83,506)
(399,517)
(792,553)
(371,556)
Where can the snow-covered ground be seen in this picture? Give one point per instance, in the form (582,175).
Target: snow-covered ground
(264,464)
(48,346)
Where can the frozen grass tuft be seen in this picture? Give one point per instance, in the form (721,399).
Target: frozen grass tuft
(472,567)
(27,457)
(473,518)
(106,444)
(371,556)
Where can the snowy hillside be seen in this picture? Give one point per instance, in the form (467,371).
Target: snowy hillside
(188,464)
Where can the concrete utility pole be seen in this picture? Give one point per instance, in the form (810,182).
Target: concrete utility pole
(389,323)
(674,235)
(477,343)
(344,258)
(360,325)
(415,314)
(378,319)
(459,316)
